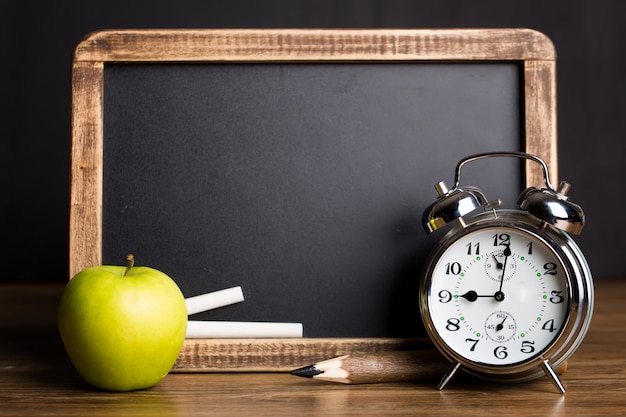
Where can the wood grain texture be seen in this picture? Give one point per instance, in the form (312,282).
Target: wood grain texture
(86,166)
(91,55)
(37,379)
(282,355)
(206,45)
(540,119)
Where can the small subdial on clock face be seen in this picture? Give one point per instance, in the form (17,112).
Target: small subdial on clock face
(496,263)
(500,326)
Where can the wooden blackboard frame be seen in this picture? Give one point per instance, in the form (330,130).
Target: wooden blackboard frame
(530,48)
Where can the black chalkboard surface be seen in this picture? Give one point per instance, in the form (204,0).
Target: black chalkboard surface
(296,163)
(303,183)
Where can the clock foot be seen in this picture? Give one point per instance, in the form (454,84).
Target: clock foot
(448,375)
(547,368)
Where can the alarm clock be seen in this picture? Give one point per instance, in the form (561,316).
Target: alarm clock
(506,294)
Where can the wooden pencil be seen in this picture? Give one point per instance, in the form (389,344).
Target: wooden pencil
(381,367)
(392,366)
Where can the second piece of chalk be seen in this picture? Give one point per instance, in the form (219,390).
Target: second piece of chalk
(241,329)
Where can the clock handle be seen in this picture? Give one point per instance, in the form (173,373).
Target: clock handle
(549,205)
(522,155)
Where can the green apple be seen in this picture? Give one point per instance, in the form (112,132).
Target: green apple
(122,327)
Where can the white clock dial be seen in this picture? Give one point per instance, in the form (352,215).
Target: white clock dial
(498,296)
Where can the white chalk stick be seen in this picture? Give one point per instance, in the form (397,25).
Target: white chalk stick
(241,329)
(212,300)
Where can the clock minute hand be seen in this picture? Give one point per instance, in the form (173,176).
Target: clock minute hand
(499,295)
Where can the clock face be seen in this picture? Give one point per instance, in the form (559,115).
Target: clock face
(498,296)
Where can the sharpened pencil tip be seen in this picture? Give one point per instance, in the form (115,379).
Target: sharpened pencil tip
(307,371)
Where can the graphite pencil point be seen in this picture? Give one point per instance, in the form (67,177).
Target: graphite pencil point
(307,371)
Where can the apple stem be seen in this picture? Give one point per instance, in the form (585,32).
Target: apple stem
(131,261)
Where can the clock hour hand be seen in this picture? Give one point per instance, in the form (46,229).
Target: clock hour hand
(472,296)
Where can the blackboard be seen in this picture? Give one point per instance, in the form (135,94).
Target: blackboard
(299,174)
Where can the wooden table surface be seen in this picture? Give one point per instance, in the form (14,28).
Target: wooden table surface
(37,379)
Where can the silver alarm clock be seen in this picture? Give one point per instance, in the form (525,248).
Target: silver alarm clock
(506,294)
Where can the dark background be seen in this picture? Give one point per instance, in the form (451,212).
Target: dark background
(38,37)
